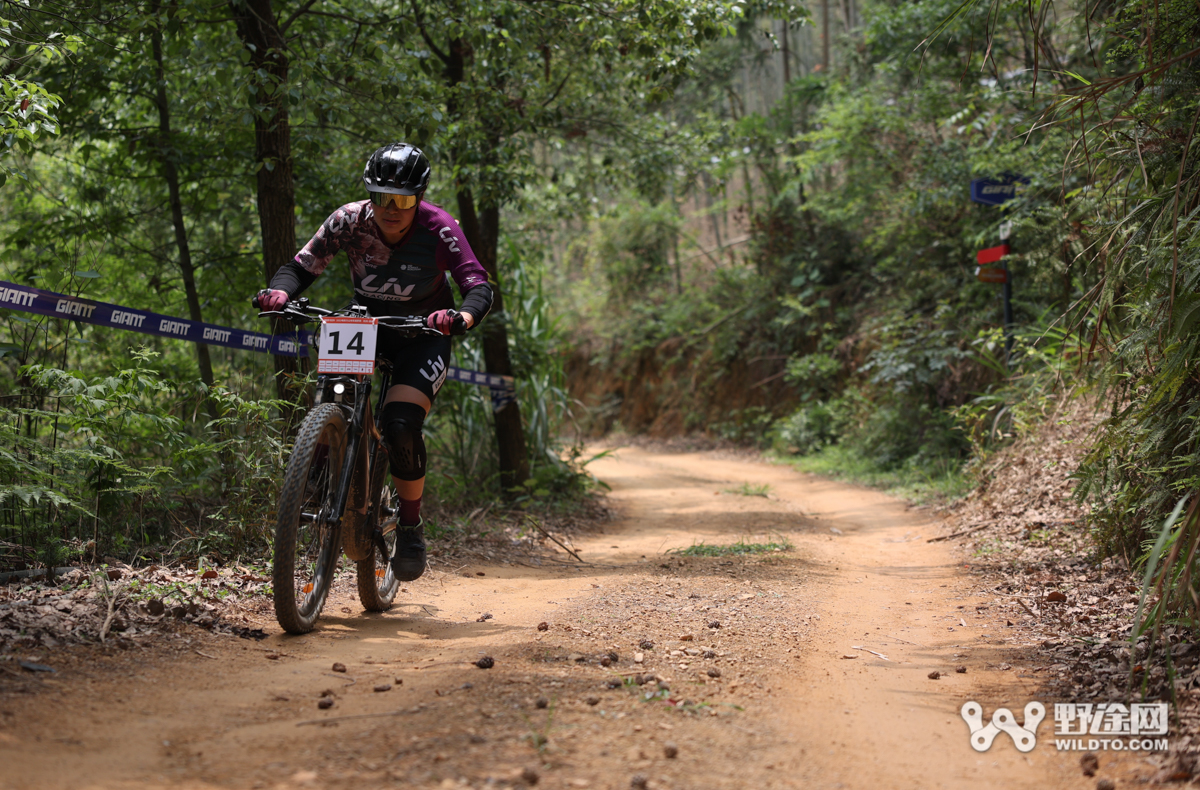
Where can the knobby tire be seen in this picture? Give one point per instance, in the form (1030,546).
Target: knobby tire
(377,582)
(307,544)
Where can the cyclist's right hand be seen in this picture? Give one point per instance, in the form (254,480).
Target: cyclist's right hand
(270,299)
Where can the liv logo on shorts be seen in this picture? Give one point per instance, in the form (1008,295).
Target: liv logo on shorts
(436,374)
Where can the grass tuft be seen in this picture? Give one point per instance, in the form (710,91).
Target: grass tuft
(731,549)
(749,489)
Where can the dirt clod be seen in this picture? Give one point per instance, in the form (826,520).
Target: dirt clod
(686,637)
(612,656)
(934,675)
(1090,763)
(338,666)
(714,673)
(483,618)
(638,782)
(543,626)
(541,703)
(960,670)
(592,700)
(715,624)
(670,750)
(663,686)
(325,703)
(530,776)
(710,654)
(646,644)
(487,662)
(383,687)
(606,661)
(1106,784)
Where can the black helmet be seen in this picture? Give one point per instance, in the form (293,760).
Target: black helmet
(397,169)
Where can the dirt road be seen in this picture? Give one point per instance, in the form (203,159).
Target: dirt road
(801,668)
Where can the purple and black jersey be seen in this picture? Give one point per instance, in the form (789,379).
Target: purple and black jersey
(408,278)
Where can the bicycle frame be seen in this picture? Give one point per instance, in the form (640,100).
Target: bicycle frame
(364,454)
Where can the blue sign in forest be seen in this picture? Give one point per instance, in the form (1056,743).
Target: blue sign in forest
(994,191)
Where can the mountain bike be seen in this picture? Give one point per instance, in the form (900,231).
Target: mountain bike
(336,494)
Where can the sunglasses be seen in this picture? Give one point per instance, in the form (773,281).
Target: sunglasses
(383,199)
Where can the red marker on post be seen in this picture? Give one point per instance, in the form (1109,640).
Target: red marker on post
(992,254)
(999,276)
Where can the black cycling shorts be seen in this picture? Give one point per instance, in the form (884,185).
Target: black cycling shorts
(419,362)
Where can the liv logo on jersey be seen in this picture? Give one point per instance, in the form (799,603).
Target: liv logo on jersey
(436,372)
(447,236)
(1024,737)
(402,293)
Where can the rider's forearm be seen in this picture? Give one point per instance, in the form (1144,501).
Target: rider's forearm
(292,279)
(477,302)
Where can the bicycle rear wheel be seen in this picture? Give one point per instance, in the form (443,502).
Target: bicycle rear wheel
(307,540)
(377,582)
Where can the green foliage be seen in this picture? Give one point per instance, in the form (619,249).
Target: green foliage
(812,427)
(26,108)
(732,549)
(751,489)
(111,468)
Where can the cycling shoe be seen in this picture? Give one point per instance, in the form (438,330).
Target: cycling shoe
(408,564)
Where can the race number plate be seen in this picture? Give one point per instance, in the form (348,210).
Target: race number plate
(347,345)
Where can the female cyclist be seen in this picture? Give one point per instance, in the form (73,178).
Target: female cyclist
(400,249)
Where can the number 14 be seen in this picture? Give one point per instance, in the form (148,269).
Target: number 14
(355,344)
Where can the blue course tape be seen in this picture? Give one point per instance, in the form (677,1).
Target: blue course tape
(73,308)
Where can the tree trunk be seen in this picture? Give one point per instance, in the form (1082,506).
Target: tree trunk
(825,36)
(482,230)
(258,29)
(171,175)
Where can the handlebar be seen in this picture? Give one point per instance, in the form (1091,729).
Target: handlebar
(299,311)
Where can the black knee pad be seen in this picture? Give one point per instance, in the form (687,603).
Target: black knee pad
(406,446)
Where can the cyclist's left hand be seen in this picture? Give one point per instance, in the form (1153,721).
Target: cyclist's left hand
(450,322)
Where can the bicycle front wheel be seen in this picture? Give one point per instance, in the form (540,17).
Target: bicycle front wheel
(307,540)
